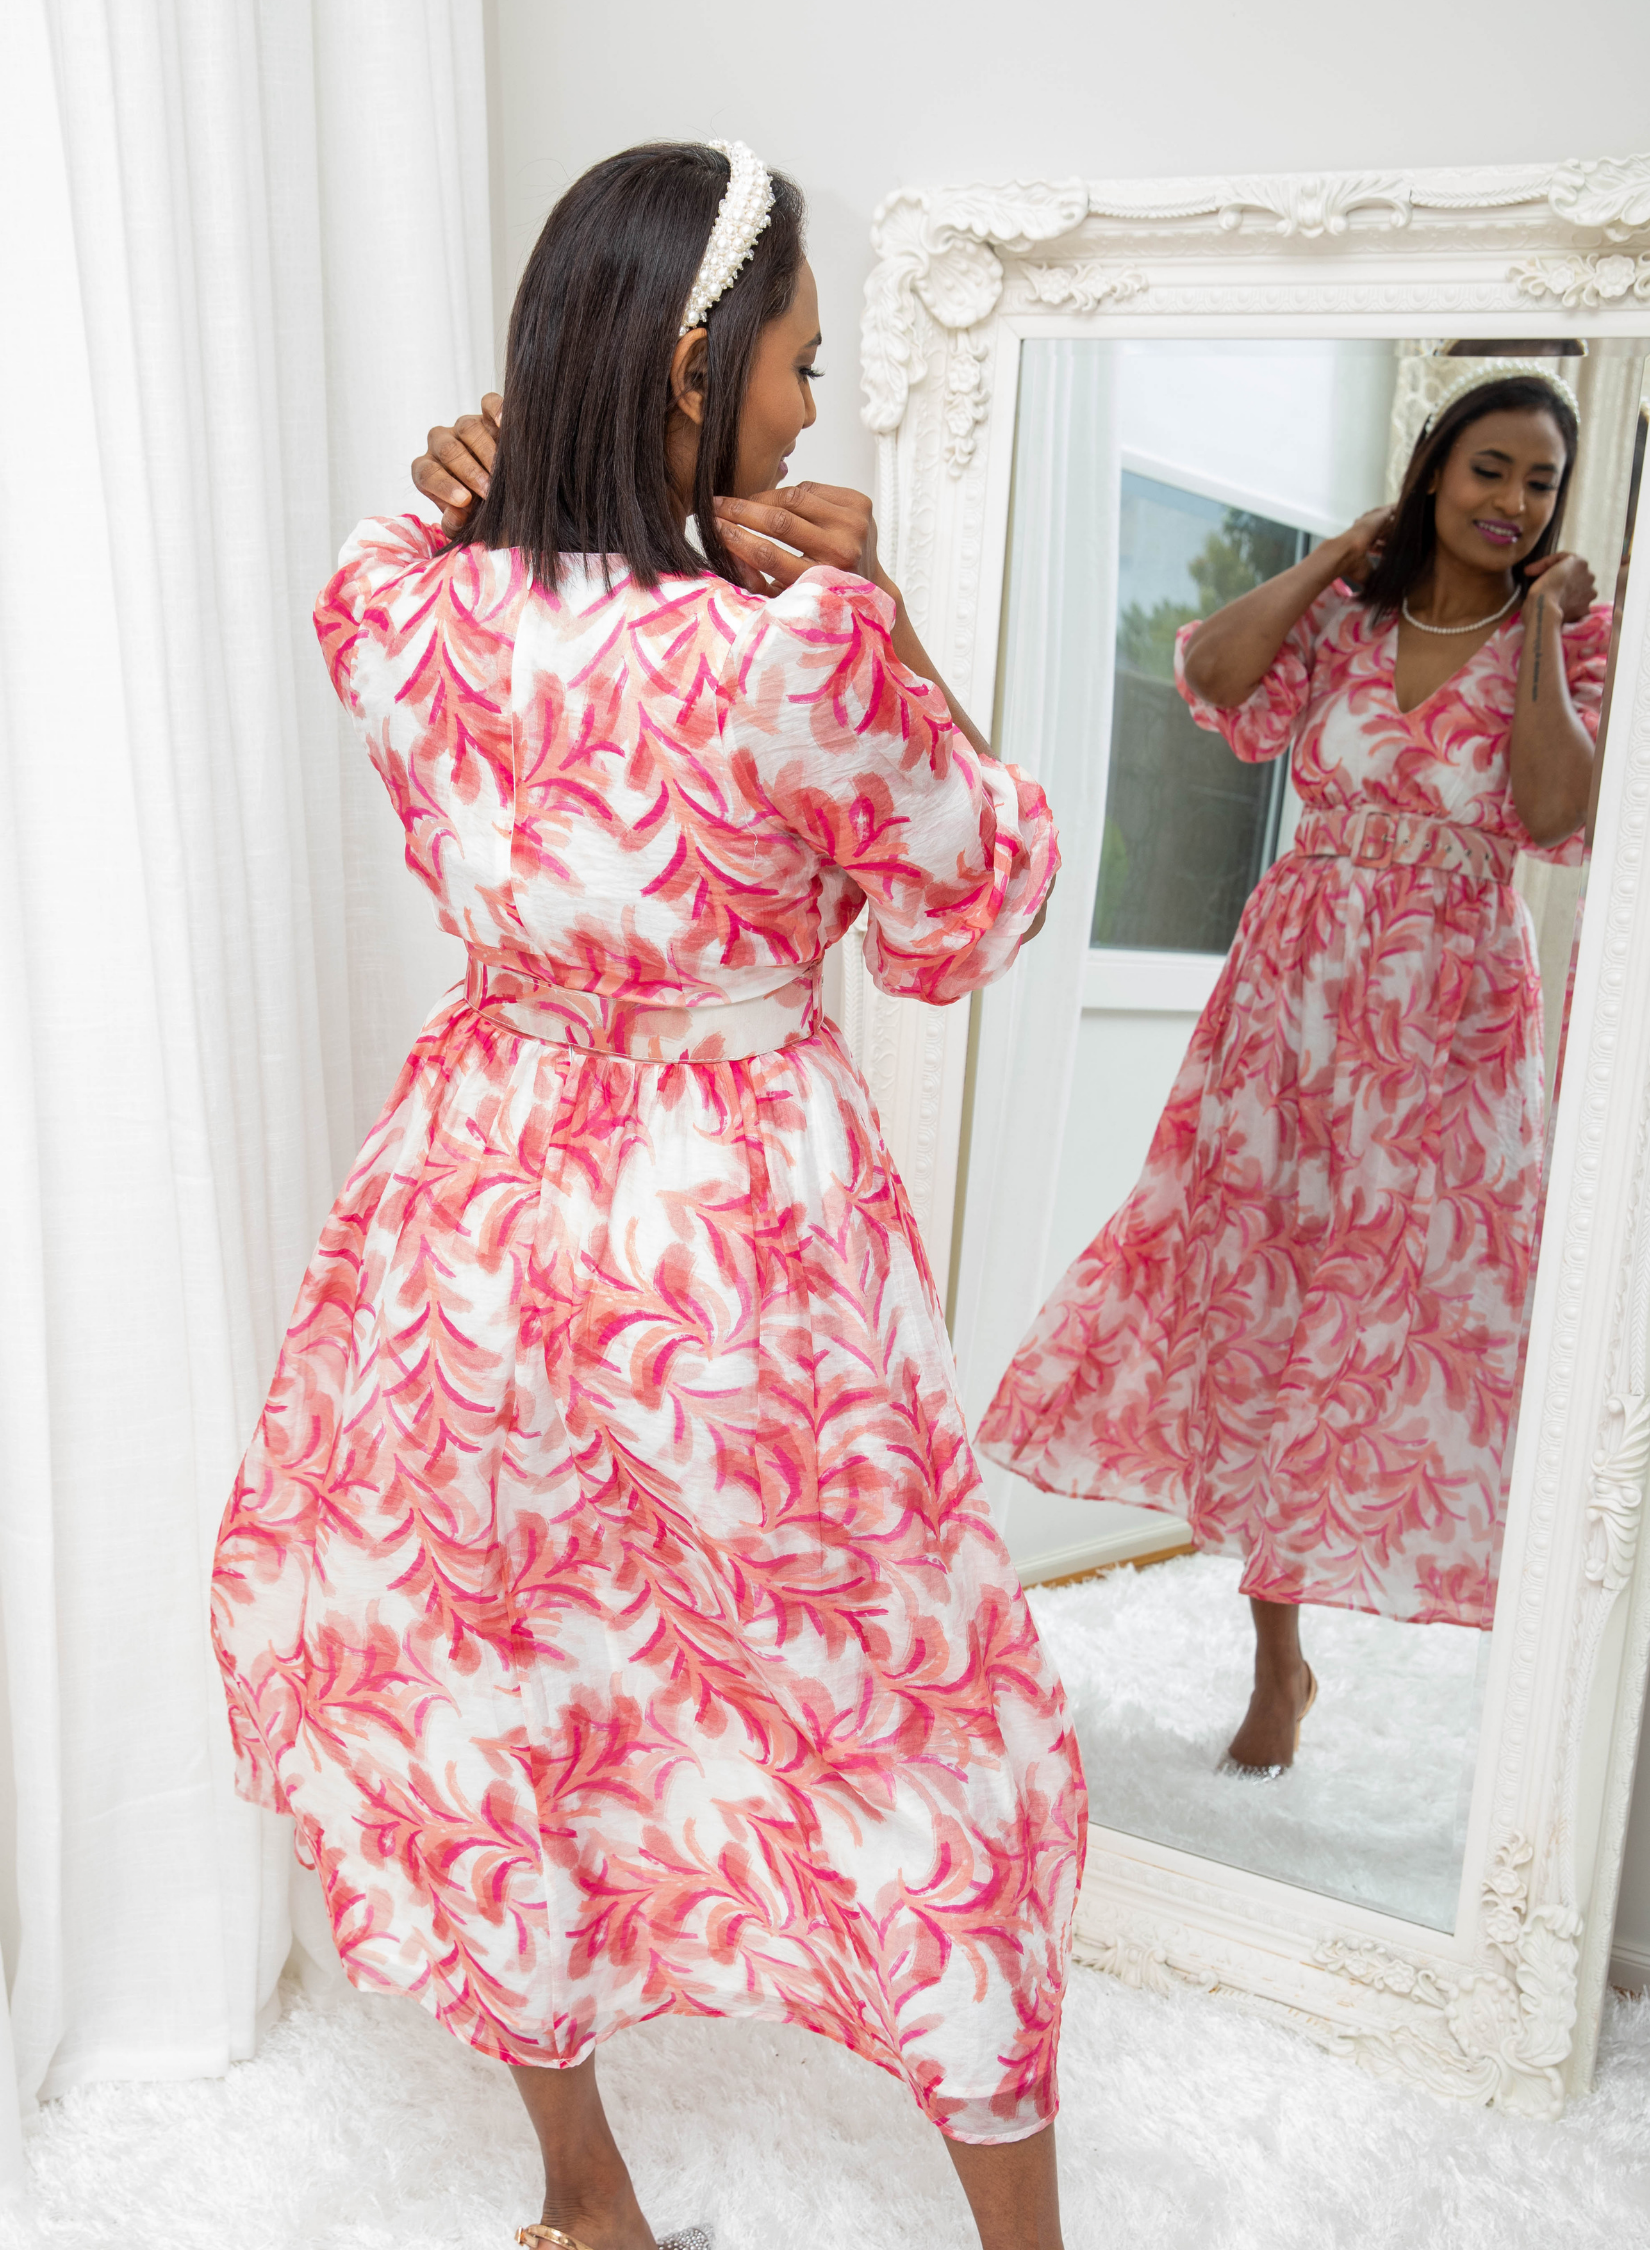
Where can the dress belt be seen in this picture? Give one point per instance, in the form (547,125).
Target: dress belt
(707,1032)
(1370,837)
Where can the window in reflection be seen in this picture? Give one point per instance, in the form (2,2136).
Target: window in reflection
(1189,830)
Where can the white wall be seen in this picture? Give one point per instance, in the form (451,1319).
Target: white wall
(1301,427)
(854,103)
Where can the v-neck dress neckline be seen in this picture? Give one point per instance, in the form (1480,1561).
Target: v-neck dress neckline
(1449,679)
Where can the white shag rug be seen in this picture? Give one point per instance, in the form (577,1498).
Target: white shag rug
(1187,2125)
(1158,1665)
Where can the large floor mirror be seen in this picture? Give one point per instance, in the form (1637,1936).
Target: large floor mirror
(1104,424)
(1201,469)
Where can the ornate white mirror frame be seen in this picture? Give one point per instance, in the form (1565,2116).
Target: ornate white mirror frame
(1506,2010)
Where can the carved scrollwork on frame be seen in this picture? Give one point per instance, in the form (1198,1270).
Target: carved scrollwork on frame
(1615,1504)
(967,399)
(1317,203)
(938,261)
(1082,287)
(1142,1963)
(1611,193)
(945,257)
(1584,280)
(1491,2035)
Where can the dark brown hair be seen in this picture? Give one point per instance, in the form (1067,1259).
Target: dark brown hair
(580,468)
(1411,541)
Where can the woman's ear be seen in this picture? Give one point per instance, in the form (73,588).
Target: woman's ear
(687,374)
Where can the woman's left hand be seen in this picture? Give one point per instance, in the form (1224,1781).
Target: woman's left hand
(825,523)
(453,468)
(1568,581)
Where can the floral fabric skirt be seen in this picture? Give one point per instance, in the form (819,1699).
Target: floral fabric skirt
(1302,1332)
(610,1596)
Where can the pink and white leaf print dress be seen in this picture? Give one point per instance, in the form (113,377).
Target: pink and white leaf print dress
(608,1591)
(1301,1332)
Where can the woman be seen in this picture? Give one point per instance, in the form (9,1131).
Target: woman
(608,1591)
(1301,1331)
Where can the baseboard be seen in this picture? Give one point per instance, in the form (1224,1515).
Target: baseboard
(1630,1967)
(1143,1543)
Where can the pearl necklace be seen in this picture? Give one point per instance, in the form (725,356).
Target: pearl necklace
(1421,626)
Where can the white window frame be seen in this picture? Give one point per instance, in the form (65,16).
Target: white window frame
(1148,980)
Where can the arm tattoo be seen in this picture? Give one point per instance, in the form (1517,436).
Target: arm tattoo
(1540,620)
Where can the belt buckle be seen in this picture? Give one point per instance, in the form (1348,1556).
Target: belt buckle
(1383,827)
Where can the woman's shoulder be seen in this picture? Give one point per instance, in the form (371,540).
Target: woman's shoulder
(822,620)
(399,583)
(1340,614)
(821,600)
(394,540)
(385,554)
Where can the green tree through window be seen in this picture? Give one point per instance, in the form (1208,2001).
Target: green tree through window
(1188,830)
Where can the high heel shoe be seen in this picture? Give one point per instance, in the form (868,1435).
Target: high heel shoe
(1311,1698)
(1229,1765)
(686,2238)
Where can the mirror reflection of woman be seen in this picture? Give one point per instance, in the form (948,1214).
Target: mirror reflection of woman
(1301,1331)
(609,1591)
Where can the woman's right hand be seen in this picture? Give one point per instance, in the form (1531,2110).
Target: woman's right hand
(1568,579)
(1360,544)
(828,523)
(453,469)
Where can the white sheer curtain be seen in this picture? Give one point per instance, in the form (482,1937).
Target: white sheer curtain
(245,265)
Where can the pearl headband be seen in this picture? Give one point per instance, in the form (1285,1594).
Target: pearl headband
(743,212)
(1494,371)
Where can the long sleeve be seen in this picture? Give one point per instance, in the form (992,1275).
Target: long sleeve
(834,736)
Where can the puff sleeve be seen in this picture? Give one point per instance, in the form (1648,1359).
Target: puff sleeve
(1586,662)
(1263,725)
(831,734)
(376,557)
